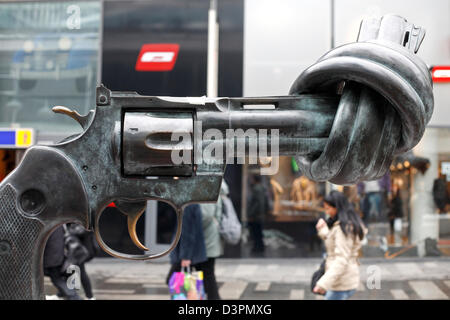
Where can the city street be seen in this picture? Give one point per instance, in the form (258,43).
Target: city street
(270,279)
(266,133)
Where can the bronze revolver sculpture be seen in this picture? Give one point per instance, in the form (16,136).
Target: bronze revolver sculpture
(345,118)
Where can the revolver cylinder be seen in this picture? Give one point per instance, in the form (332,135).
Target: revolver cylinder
(148,143)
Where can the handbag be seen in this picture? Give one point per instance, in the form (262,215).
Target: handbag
(230,227)
(187,285)
(317,275)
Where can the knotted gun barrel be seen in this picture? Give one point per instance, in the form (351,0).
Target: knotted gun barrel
(386,102)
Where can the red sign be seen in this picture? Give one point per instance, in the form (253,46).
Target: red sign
(441,74)
(157,57)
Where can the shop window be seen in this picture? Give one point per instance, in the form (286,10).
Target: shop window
(285,216)
(48,56)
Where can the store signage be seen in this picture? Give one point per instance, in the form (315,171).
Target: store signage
(157,57)
(440,73)
(16,138)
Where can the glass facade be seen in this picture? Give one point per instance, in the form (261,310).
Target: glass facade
(407,212)
(291,210)
(49,54)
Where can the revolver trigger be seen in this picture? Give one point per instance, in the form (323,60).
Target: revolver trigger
(132,221)
(133,211)
(82,120)
(134,217)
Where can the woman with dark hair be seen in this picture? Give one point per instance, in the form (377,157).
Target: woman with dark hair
(342,234)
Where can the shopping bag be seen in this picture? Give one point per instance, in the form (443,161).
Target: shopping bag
(176,286)
(197,289)
(187,285)
(193,285)
(230,227)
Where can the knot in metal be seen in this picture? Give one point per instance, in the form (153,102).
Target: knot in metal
(386,100)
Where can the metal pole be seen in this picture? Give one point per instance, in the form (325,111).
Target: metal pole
(213,51)
(332,36)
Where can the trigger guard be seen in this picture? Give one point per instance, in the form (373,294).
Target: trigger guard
(120,255)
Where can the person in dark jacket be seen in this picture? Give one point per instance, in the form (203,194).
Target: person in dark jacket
(396,210)
(53,264)
(190,250)
(256,211)
(440,194)
(87,240)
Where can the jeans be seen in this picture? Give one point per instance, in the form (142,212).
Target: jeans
(375,204)
(209,278)
(256,231)
(85,282)
(339,295)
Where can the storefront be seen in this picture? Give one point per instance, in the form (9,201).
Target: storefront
(264,60)
(407,212)
(293,207)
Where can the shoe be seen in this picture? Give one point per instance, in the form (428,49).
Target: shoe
(93,298)
(52,297)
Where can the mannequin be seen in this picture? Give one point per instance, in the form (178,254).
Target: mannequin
(277,192)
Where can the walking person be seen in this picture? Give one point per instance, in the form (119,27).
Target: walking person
(396,213)
(256,211)
(342,233)
(87,240)
(190,250)
(374,195)
(211,216)
(54,261)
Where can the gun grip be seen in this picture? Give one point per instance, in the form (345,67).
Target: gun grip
(30,209)
(22,242)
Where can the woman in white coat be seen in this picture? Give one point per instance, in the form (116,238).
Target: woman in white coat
(342,233)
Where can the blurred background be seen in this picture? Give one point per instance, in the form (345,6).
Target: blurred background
(56,52)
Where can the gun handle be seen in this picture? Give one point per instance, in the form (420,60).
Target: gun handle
(22,242)
(44,191)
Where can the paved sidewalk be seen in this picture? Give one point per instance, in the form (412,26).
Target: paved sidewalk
(268,279)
